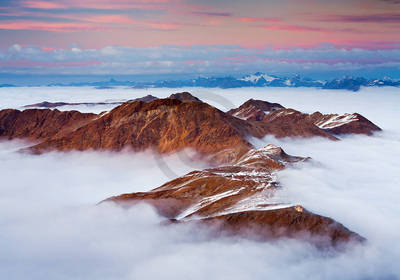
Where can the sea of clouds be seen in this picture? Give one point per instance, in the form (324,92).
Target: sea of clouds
(52,228)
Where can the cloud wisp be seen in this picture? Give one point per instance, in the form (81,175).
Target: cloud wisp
(323,60)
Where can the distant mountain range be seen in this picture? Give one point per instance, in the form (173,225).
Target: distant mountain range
(254,80)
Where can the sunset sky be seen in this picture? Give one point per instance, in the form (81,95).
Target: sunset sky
(328,38)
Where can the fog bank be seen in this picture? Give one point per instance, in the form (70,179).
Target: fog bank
(51,228)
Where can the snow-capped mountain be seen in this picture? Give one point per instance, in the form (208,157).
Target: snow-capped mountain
(265,80)
(254,80)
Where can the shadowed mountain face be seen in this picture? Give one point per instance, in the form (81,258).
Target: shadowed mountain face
(184,97)
(238,197)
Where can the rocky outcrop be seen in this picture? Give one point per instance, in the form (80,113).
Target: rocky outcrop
(184,97)
(240,199)
(147,98)
(344,124)
(254,110)
(274,119)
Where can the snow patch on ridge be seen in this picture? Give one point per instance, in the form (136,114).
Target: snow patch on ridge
(261,201)
(336,121)
(207,201)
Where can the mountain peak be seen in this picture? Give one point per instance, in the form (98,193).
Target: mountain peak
(184,97)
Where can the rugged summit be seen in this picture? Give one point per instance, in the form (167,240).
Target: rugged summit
(165,125)
(254,110)
(184,97)
(282,122)
(240,198)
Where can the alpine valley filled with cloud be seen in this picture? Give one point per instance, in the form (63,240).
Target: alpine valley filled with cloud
(53,226)
(187,139)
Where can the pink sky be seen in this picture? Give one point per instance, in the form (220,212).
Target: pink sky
(255,23)
(200,36)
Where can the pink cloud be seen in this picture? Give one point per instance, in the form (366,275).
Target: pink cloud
(36,64)
(250,59)
(212,14)
(121,4)
(47,49)
(294,28)
(121,19)
(258,19)
(92,23)
(365,18)
(43,5)
(194,62)
(164,26)
(48,26)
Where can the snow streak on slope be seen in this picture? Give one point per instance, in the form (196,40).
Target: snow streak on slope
(336,121)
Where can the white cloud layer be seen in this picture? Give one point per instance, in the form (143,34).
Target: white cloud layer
(50,227)
(320,61)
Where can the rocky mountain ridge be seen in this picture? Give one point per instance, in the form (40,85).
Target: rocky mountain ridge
(239,195)
(171,124)
(240,199)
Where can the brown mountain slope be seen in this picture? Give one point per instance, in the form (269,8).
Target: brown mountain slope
(168,125)
(282,122)
(165,125)
(290,123)
(240,199)
(344,124)
(254,110)
(38,124)
(291,222)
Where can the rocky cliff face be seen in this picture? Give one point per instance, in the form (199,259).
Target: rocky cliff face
(240,199)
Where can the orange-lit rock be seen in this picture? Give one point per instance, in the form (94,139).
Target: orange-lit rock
(240,199)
